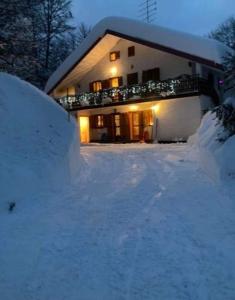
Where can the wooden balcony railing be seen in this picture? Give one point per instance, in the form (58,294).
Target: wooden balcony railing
(152,89)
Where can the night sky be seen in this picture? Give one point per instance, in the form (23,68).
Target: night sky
(194,16)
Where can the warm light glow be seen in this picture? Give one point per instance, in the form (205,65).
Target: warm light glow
(84,129)
(114,82)
(133,107)
(97,86)
(113,71)
(156,108)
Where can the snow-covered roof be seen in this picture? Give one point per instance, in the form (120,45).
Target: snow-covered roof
(108,31)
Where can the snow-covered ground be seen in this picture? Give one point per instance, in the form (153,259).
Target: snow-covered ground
(140,222)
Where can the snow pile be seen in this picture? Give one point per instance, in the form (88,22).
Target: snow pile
(39,145)
(215,146)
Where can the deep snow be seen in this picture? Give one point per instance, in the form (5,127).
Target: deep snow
(132,222)
(141,222)
(216,157)
(39,146)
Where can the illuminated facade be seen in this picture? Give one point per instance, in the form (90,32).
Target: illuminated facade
(127,89)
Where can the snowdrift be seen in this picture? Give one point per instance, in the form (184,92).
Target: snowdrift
(39,144)
(216,157)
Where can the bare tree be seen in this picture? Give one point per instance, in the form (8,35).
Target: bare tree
(82,32)
(225,33)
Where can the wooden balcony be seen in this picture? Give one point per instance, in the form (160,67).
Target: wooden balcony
(153,90)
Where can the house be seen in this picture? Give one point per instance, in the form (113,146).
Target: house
(130,81)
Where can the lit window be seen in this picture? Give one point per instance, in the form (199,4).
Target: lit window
(100,121)
(117,120)
(114,82)
(97,86)
(114,55)
(117,125)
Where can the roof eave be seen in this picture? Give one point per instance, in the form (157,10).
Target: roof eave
(150,44)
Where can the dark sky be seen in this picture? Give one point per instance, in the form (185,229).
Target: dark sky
(195,16)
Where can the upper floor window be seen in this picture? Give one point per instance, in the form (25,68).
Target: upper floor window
(132,78)
(115,82)
(153,74)
(131,51)
(114,55)
(96,86)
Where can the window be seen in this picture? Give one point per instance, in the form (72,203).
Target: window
(132,78)
(153,74)
(117,123)
(115,82)
(131,51)
(114,55)
(100,121)
(105,84)
(95,86)
(96,121)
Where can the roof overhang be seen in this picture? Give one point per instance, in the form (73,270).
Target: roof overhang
(82,60)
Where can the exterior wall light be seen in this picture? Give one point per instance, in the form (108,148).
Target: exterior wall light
(134,107)
(114,71)
(155,108)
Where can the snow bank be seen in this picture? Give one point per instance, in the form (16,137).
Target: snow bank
(39,145)
(216,157)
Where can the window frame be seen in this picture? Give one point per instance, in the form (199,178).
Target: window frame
(150,73)
(101,121)
(92,84)
(131,51)
(117,55)
(132,74)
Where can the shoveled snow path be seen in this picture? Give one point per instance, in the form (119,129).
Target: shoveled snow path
(142,222)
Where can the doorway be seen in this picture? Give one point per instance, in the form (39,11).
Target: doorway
(84,129)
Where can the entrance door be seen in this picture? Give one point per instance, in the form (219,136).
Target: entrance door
(84,130)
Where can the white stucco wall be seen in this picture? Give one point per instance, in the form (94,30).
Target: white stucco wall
(176,119)
(145,58)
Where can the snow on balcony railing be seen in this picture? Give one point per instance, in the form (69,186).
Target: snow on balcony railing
(159,89)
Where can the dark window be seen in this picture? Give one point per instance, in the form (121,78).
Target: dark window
(153,74)
(105,84)
(131,51)
(114,55)
(132,78)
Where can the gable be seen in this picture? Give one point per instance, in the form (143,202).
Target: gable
(107,33)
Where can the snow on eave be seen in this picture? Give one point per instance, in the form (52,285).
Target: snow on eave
(204,50)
